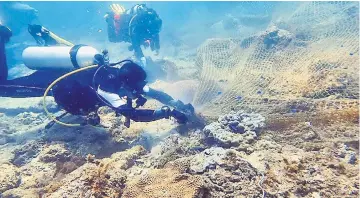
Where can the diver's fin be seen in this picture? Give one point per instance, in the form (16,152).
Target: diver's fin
(60,40)
(44,36)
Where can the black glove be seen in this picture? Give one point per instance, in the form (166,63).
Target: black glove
(179,105)
(5,33)
(180,117)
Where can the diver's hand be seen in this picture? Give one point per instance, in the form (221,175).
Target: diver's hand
(188,108)
(179,116)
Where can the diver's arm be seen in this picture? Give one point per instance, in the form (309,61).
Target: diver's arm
(139,115)
(159,96)
(148,115)
(168,100)
(33,85)
(143,115)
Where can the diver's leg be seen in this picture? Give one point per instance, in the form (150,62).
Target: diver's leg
(166,99)
(41,79)
(5,34)
(17,91)
(3,65)
(33,85)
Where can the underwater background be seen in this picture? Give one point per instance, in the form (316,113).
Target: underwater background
(276,85)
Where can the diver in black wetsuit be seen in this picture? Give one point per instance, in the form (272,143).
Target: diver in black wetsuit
(77,95)
(138,25)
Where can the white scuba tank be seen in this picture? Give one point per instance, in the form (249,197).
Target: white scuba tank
(59,57)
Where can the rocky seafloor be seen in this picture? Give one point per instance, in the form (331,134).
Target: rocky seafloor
(234,156)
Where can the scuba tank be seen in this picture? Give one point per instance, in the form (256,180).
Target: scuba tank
(59,57)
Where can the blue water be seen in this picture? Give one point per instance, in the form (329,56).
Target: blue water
(274,83)
(185,22)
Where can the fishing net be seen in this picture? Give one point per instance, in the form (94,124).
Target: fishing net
(303,66)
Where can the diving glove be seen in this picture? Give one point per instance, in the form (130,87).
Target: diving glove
(166,112)
(180,117)
(182,107)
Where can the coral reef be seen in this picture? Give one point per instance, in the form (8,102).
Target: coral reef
(164,183)
(99,178)
(26,153)
(236,129)
(203,163)
(9,177)
(276,38)
(226,173)
(15,106)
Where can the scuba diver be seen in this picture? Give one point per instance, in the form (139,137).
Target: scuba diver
(138,25)
(115,85)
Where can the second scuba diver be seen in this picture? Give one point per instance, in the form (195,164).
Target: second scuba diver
(84,92)
(139,25)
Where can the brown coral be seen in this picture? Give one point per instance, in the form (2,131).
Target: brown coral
(165,183)
(10,177)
